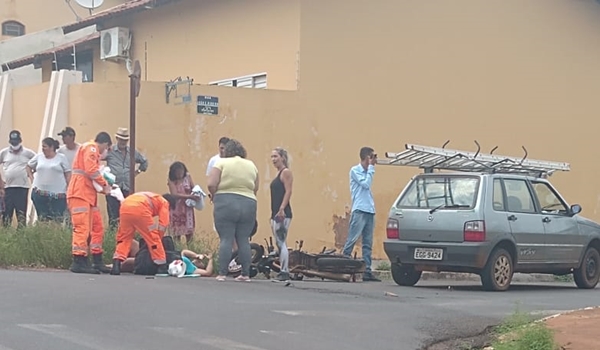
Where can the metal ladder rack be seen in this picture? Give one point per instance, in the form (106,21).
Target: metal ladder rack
(435,158)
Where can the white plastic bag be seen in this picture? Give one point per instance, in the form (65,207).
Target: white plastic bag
(197,204)
(107,175)
(117,193)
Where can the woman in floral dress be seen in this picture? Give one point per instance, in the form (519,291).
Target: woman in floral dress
(182,220)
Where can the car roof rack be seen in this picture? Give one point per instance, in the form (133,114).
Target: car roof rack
(435,158)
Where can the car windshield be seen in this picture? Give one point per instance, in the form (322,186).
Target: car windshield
(457,192)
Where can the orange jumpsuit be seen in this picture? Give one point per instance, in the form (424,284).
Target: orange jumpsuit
(82,200)
(137,214)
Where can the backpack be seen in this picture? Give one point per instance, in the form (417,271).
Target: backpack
(143,264)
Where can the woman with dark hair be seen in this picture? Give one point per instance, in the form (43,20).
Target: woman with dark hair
(232,184)
(182,221)
(50,173)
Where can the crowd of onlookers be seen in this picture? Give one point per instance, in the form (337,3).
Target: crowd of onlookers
(44,176)
(232,183)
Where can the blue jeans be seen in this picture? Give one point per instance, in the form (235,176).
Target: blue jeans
(361,225)
(49,208)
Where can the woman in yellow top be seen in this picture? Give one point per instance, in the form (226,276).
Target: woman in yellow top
(232,184)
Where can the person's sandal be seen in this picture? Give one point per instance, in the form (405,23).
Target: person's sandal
(221,278)
(242,278)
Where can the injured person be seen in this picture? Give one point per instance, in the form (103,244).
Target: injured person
(128,264)
(197,264)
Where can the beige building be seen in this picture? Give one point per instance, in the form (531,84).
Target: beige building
(20,17)
(504,72)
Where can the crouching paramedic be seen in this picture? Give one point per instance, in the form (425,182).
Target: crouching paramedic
(82,200)
(137,213)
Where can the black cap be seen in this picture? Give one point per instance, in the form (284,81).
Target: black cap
(68,131)
(14,135)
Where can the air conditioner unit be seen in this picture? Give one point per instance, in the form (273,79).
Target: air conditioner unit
(114,43)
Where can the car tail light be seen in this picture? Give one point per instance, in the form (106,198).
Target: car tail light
(392,230)
(474,231)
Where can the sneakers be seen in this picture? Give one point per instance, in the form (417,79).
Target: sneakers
(283,277)
(368,277)
(241,278)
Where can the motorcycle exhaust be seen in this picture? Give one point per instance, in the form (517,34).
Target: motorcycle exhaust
(327,275)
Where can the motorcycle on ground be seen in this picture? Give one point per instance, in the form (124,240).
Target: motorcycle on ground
(324,265)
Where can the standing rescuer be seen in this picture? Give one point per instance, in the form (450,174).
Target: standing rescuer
(137,213)
(82,200)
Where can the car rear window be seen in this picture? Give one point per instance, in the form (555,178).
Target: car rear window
(436,191)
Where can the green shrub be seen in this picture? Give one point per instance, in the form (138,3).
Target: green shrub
(49,245)
(519,333)
(42,245)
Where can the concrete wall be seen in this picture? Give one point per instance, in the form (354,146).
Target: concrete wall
(261,119)
(504,72)
(212,40)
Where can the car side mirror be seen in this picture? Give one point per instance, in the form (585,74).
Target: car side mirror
(576,209)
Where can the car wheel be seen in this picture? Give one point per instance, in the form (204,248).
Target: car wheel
(405,275)
(588,274)
(498,272)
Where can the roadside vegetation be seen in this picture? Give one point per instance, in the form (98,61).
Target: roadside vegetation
(520,332)
(49,246)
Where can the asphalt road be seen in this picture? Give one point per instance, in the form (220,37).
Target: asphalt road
(61,310)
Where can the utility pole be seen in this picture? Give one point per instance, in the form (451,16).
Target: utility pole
(134,92)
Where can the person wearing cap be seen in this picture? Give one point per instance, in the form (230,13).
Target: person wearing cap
(69,147)
(82,201)
(16,187)
(118,160)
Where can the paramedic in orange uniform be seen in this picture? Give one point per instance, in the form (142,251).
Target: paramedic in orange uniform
(137,214)
(82,200)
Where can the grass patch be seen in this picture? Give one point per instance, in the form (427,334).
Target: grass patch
(564,278)
(384,266)
(519,332)
(49,245)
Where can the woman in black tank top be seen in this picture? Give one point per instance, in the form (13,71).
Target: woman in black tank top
(281,210)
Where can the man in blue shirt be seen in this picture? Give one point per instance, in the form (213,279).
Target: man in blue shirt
(362,220)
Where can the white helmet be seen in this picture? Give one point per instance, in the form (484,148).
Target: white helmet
(177,268)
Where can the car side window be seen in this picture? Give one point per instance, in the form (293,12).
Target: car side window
(498,196)
(548,199)
(518,196)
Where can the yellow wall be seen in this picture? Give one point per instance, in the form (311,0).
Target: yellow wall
(38,15)
(212,40)
(29,103)
(166,133)
(504,72)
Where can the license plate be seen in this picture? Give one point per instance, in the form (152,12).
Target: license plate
(428,254)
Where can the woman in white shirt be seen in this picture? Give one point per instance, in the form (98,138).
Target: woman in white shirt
(50,173)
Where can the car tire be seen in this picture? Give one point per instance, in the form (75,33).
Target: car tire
(498,271)
(405,275)
(588,274)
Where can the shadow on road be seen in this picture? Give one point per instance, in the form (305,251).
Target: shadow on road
(513,288)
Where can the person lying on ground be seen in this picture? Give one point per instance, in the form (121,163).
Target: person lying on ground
(194,263)
(129,263)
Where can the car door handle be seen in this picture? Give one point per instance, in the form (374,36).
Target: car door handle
(512,218)
(546,219)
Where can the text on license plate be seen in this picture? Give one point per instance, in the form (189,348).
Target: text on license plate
(428,254)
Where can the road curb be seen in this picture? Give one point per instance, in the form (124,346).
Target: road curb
(451,276)
(567,312)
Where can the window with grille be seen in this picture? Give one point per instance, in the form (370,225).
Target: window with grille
(256,81)
(13,28)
